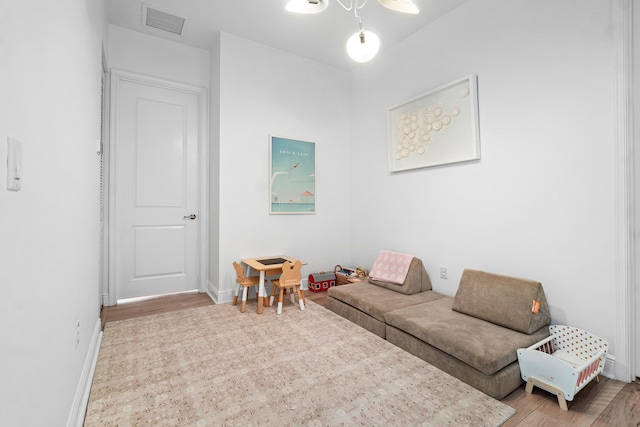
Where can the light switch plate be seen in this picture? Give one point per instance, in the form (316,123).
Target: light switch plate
(14,164)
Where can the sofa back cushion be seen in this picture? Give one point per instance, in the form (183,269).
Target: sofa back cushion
(391,267)
(518,304)
(417,280)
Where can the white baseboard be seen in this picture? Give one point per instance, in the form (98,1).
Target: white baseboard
(81,399)
(220,297)
(227,295)
(213,292)
(609,367)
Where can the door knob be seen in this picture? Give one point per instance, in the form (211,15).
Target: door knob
(192,216)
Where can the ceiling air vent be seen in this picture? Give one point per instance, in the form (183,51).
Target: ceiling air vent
(161,20)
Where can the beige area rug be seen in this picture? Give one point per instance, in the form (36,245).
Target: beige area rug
(215,366)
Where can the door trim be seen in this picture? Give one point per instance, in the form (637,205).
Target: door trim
(118,76)
(625,334)
(104,194)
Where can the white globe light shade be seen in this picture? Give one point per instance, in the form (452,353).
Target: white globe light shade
(363,49)
(305,7)
(405,6)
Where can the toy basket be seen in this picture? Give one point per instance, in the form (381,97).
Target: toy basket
(564,363)
(344,274)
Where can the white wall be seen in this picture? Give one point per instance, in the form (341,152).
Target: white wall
(265,91)
(50,84)
(540,202)
(155,57)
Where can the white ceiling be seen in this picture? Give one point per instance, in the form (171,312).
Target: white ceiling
(319,37)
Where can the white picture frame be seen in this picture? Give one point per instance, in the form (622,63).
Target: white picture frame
(436,128)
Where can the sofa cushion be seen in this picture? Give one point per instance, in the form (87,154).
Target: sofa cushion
(505,301)
(417,280)
(375,300)
(391,267)
(483,345)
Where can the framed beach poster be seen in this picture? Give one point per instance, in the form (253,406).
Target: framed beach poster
(436,128)
(292,180)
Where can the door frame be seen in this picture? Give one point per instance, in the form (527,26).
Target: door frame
(633,10)
(118,76)
(626,350)
(103,148)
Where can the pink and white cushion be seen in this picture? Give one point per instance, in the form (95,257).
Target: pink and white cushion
(391,267)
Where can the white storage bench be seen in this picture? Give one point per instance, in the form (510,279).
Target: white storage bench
(564,362)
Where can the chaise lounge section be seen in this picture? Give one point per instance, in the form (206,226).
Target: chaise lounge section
(473,336)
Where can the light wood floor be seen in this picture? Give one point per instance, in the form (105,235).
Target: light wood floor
(605,403)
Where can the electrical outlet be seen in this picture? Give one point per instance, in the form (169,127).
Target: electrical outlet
(443,272)
(14,164)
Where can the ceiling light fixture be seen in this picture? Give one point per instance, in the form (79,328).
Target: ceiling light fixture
(363,45)
(306,6)
(405,6)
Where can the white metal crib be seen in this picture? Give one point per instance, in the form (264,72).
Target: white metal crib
(564,363)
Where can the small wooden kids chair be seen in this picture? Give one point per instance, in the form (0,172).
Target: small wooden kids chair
(245,283)
(291,278)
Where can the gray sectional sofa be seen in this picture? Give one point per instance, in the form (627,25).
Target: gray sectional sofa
(473,336)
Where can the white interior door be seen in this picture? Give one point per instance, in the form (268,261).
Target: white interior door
(156,190)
